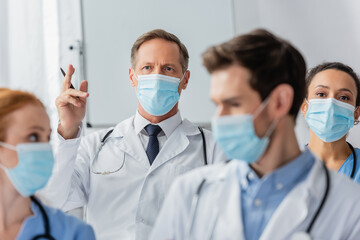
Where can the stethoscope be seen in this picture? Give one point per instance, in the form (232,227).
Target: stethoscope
(106,137)
(45,217)
(354,162)
(297,236)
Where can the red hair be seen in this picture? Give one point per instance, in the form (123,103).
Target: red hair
(10,101)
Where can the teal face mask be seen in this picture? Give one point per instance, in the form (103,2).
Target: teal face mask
(34,168)
(329,118)
(236,136)
(157,93)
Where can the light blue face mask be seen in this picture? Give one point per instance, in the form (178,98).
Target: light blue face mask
(34,168)
(329,119)
(236,136)
(157,93)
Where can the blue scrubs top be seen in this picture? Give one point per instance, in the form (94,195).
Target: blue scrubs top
(62,226)
(347,166)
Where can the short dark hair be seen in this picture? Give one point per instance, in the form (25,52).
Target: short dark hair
(337,66)
(162,34)
(271,60)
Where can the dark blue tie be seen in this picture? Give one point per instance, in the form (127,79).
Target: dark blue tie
(152,149)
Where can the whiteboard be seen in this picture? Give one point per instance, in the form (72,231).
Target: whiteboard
(110,28)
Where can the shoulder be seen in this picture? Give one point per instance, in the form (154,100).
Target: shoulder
(68,226)
(357,151)
(344,186)
(191,129)
(211,174)
(118,131)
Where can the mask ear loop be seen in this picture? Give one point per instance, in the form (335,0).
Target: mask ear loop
(182,78)
(271,128)
(8,146)
(273,124)
(261,108)
(136,77)
(356,122)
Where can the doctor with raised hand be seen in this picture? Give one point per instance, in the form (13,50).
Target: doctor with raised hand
(122,174)
(270,190)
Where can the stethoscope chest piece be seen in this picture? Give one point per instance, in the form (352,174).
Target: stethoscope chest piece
(301,236)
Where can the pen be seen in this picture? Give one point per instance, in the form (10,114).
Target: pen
(63,73)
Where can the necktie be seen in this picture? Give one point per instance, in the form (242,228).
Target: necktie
(152,149)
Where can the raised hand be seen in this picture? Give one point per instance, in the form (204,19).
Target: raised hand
(71,106)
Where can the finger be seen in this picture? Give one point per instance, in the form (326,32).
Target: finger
(65,100)
(67,78)
(76,93)
(70,70)
(84,86)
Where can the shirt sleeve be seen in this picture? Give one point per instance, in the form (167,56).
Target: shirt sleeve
(86,232)
(68,186)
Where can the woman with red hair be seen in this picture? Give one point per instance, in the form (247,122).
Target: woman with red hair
(26,163)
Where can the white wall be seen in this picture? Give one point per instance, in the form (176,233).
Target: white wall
(3,44)
(29,48)
(110,29)
(323,30)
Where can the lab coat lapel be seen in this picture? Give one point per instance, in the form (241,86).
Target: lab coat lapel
(175,144)
(230,210)
(131,145)
(294,209)
(227,204)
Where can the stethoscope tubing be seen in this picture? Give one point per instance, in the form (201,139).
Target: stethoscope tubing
(45,217)
(352,175)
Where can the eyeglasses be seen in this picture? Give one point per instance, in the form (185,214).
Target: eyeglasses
(106,172)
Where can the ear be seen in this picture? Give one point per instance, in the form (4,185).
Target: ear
(282,99)
(304,107)
(186,80)
(133,80)
(356,115)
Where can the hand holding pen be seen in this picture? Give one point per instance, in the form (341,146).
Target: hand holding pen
(71,105)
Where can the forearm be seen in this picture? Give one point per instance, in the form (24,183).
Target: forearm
(57,191)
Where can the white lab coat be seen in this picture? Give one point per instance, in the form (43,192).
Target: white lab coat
(124,205)
(218,215)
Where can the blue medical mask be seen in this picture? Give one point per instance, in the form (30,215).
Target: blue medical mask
(236,136)
(34,168)
(329,118)
(157,93)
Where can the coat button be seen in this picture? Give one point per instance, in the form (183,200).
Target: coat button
(257,202)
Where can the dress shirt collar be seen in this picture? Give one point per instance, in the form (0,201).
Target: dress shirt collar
(282,177)
(168,125)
